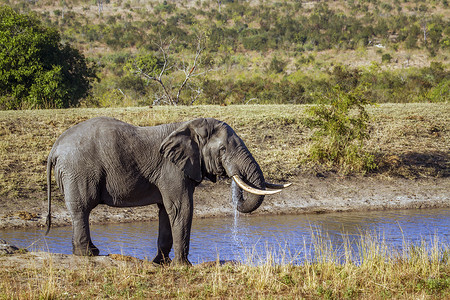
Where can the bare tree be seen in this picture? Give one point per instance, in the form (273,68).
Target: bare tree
(423,24)
(63,4)
(171,94)
(100,6)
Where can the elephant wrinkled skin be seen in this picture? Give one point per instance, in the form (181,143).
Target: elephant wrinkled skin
(107,161)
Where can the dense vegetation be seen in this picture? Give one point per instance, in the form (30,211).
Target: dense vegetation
(259,51)
(37,70)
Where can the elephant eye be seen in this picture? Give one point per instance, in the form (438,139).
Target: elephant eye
(221,150)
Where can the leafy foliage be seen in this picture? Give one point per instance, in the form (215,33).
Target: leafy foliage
(341,126)
(262,47)
(38,71)
(147,63)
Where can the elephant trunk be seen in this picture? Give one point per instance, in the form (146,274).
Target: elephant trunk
(245,202)
(248,171)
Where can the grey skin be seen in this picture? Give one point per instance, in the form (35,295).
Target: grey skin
(107,161)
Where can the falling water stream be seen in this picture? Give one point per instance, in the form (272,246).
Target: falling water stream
(234,199)
(288,238)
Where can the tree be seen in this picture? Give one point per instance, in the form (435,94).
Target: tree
(37,69)
(411,40)
(156,68)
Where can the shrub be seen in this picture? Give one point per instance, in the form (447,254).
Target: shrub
(340,125)
(346,78)
(277,65)
(145,62)
(386,58)
(213,92)
(37,70)
(440,93)
(255,42)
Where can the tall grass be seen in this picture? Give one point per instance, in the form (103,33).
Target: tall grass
(363,268)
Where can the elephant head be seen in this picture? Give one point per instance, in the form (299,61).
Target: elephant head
(210,148)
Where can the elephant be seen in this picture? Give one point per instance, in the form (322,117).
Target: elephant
(107,161)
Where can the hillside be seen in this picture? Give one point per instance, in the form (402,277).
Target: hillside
(257,51)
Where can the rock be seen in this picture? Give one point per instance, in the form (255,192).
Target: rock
(6,248)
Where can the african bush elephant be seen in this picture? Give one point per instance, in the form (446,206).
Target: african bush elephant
(107,161)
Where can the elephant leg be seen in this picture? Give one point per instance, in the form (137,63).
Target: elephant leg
(81,236)
(165,240)
(179,207)
(80,205)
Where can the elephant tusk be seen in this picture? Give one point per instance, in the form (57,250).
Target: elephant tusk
(277,186)
(250,189)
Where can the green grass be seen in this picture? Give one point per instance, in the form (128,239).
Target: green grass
(417,272)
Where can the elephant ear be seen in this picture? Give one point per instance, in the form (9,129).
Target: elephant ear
(182,147)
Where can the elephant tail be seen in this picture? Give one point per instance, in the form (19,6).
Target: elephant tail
(48,221)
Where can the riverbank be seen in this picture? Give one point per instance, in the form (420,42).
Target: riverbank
(415,272)
(411,146)
(308,194)
(410,143)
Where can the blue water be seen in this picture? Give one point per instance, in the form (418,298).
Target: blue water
(251,239)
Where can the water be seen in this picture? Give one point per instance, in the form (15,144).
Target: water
(286,238)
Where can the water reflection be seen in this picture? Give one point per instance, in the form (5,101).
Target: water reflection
(241,238)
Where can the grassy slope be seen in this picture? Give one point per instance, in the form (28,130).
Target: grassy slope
(409,140)
(231,64)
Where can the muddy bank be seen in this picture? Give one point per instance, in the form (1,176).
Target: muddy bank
(308,194)
(23,260)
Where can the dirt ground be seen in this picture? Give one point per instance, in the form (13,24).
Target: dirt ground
(308,194)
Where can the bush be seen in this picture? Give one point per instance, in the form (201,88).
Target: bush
(386,58)
(38,71)
(277,65)
(145,62)
(346,78)
(213,92)
(340,125)
(256,42)
(440,93)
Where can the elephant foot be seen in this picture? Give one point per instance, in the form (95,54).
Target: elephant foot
(181,262)
(161,260)
(86,251)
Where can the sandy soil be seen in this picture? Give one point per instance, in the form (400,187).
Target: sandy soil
(22,260)
(308,194)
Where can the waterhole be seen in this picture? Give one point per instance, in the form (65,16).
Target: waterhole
(283,238)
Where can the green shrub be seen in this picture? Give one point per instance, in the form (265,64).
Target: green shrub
(277,65)
(386,58)
(256,42)
(145,62)
(346,78)
(37,69)
(340,124)
(213,92)
(441,92)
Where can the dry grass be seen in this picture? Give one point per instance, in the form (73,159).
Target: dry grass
(417,272)
(409,140)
